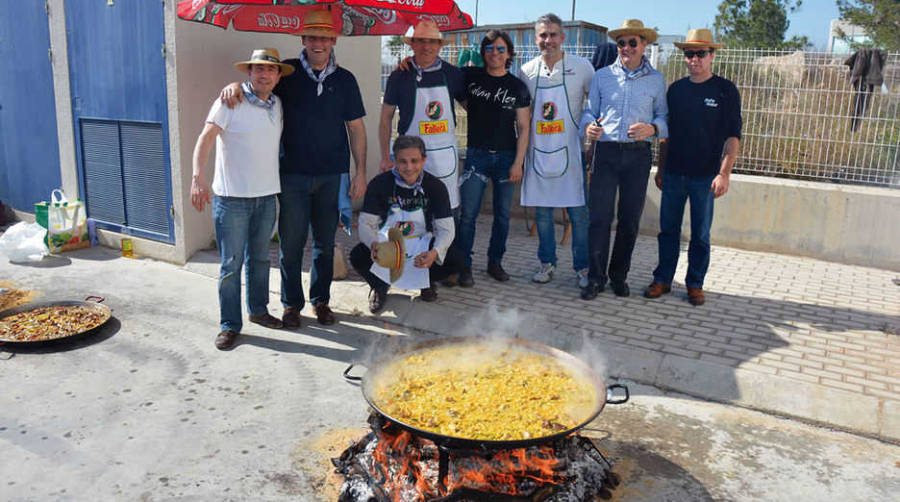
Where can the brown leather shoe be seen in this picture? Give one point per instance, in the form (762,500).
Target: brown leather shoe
(291,318)
(267,320)
(225,339)
(696,296)
(656,289)
(324,314)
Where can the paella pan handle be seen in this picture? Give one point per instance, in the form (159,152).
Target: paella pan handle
(609,393)
(349,377)
(94,298)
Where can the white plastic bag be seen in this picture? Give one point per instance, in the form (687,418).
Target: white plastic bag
(24,242)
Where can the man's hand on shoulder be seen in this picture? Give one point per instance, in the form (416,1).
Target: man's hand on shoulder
(231,94)
(404,64)
(386,164)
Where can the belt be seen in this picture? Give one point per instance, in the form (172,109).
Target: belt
(631,145)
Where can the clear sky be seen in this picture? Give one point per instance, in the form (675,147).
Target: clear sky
(671,17)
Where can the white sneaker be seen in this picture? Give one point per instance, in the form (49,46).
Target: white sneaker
(544,274)
(582,276)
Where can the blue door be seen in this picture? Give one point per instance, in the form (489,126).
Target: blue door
(118,79)
(29,145)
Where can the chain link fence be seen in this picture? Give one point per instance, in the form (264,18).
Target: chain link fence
(802,118)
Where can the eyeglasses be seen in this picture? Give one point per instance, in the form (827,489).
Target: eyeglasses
(491,48)
(631,42)
(426,40)
(700,54)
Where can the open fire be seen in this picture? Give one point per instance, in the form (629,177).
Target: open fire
(391,464)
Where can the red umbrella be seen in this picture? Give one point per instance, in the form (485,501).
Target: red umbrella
(352,17)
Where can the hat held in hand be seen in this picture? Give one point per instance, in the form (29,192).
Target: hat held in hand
(391,254)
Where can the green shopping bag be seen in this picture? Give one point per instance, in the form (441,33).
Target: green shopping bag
(65,221)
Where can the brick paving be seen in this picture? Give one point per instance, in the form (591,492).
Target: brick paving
(806,320)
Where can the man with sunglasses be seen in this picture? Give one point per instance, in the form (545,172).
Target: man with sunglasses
(626,109)
(554,174)
(498,105)
(704,120)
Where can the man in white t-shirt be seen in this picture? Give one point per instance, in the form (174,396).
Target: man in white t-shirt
(245,186)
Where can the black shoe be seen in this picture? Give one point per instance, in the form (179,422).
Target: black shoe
(377,300)
(496,271)
(465,278)
(225,339)
(620,288)
(428,294)
(449,282)
(591,290)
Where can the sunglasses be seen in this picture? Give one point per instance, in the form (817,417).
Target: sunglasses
(491,48)
(700,54)
(631,43)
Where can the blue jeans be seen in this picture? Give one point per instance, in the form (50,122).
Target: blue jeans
(243,230)
(483,166)
(307,202)
(676,191)
(546,230)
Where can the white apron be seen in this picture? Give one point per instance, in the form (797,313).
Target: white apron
(553,175)
(418,240)
(433,122)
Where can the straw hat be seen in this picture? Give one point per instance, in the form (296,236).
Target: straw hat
(426,29)
(265,56)
(319,23)
(700,37)
(634,27)
(391,254)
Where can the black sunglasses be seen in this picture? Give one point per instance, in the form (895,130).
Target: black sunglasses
(491,48)
(700,54)
(631,43)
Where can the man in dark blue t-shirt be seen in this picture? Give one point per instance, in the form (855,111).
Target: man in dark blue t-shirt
(704,122)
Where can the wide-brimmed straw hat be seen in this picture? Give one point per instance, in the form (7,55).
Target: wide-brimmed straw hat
(264,56)
(319,23)
(634,27)
(700,37)
(426,29)
(391,254)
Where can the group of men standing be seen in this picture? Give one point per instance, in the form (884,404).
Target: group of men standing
(417,223)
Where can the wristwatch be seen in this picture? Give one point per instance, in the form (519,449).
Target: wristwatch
(655,130)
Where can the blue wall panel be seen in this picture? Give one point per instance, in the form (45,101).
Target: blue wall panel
(118,78)
(29,146)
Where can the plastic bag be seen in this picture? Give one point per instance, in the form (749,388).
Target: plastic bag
(65,221)
(24,242)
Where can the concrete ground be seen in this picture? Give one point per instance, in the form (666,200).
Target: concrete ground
(148,409)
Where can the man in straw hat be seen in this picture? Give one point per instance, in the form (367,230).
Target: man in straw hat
(554,175)
(244,185)
(424,94)
(322,106)
(626,109)
(408,199)
(695,162)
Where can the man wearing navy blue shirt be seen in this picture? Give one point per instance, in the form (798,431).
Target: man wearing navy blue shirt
(424,95)
(694,163)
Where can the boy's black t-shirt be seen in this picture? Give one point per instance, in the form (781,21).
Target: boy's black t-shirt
(383,192)
(701,117)
(492,104)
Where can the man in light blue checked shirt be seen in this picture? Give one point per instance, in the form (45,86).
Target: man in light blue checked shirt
(626,109)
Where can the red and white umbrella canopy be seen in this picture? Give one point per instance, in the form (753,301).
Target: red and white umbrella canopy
(351,17)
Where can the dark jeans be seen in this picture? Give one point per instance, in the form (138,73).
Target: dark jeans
(307,202)
(676,191)
(483,166)
(626,171)
(361,259)
(243,230)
